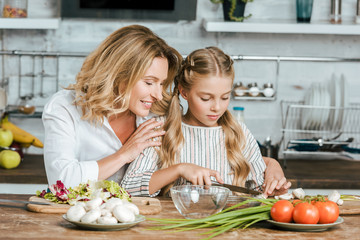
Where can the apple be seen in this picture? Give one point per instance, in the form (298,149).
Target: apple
(6,137)
(9,159)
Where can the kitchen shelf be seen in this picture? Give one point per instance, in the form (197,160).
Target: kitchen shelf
(282,26)
(29,23)
(254,98)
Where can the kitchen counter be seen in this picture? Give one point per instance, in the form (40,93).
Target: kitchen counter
(317,174)
(30,170)
(18,223)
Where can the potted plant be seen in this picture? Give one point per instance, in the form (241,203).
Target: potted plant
(233,9)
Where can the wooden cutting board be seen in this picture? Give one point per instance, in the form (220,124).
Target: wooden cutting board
(350,208)
(146,205)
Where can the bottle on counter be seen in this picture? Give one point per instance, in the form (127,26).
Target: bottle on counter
(238,113)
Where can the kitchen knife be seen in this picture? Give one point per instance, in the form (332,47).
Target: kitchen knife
(26,202)
(237,188)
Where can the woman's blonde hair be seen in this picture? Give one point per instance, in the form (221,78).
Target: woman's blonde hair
(201,64)
(103,86)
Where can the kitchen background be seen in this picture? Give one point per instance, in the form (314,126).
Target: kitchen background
(264,118)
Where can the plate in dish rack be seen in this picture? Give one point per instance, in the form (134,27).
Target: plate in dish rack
(306,227)
(106,227)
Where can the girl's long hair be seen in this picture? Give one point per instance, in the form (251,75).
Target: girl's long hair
(199,65)
(103,86)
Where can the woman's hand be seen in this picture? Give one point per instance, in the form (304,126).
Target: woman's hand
(146,135)
(198,175)
(275,182)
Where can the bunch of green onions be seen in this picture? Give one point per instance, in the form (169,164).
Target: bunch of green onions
(230,218)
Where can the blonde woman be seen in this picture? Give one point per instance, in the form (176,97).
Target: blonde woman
(207,141)
(92,127)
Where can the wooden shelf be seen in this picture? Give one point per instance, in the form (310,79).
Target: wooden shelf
(282,26)
(29,23)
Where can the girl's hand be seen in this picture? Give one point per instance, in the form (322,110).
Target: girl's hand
(274,187)
(275,182)
(198,175)
(146,135)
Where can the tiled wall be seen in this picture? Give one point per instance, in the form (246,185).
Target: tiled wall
(263,118)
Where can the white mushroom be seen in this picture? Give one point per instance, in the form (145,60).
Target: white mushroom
(105,212)
(107,220)
(286,196)
(80,203)
(92,204)
(91,216)
(75,213)
(113,202)
(340,202)
(123,214)
(334,196)
(260,196)
(132,207)
(194,196)
(298,193)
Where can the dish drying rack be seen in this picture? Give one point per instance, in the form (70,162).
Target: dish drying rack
(329,140)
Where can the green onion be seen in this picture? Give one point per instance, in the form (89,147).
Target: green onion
(230,218)
(349,198)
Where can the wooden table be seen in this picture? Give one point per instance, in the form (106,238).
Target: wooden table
(18,223)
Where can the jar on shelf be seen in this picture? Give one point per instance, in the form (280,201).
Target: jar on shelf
(240,90)
(15,9)
(269,90)
(254,91)
(239,113)
(26,105)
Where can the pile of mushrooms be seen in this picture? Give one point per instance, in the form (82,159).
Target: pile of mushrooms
(113,211)
(299,193)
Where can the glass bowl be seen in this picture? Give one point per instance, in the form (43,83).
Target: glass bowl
(234,199)
(198,201)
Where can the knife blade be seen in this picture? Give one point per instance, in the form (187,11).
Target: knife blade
(237,188)
(26,202)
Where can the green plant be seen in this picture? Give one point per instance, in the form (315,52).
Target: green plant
(232,9)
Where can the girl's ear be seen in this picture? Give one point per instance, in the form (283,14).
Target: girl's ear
(183,92)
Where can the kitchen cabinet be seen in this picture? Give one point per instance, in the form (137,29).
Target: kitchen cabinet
(286,27)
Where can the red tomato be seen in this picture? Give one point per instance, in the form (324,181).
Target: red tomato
(282,211)
(328,211)
(296,201)
(306,213)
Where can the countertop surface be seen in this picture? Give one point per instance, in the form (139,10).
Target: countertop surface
(320,174)
(15,217)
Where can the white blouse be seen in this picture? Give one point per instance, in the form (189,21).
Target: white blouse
(72,146)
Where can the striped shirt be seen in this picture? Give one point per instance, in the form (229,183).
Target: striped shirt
(203,146)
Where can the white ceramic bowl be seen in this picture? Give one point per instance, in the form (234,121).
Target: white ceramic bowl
(196,201)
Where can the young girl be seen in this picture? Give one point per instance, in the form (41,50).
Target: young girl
(205,142)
